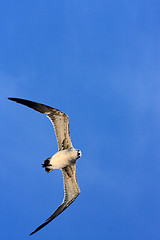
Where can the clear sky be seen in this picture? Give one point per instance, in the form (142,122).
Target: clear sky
(99,62)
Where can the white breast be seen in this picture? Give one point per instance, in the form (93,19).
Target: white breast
(63,158)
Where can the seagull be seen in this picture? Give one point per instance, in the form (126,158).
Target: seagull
(65,159)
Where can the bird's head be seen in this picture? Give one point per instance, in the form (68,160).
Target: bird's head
(79,153)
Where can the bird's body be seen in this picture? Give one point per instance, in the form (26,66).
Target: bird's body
(65,159)
(62,159)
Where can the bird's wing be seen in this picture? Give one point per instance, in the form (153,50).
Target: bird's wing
(71,191)
(59,120)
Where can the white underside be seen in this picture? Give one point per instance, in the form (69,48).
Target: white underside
(63,158)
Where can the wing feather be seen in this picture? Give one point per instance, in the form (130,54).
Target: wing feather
(59,120)
(71,190)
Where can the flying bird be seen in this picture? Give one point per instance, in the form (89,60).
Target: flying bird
(65,159)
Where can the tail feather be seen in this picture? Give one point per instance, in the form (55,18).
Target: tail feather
(47,165)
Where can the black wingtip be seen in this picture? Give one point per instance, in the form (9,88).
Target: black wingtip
(9,98)
(34,105)
(34,231)
(13,99)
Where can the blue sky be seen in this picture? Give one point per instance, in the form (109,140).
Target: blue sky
(99,62)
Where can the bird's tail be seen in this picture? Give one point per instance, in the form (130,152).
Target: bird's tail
(47,165)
